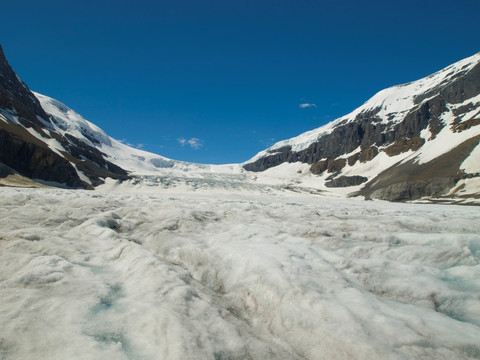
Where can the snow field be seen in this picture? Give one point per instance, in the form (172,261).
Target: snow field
(87,275)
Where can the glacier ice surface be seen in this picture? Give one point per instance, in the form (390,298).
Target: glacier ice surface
(98,275)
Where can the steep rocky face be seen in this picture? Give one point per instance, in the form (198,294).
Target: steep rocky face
(15,95)
(368,129)
(396,122)
(35,161)
(25,131)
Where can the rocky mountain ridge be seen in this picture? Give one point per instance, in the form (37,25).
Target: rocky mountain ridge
(423,131)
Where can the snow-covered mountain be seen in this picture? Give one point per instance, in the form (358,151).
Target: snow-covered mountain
(415,140)
(44,140)
(407,141)
(70,124)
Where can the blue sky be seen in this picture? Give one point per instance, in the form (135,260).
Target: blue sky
(217,81)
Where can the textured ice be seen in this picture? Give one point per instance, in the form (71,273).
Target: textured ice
(92,275)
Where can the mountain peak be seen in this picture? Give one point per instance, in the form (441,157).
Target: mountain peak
(423,121)
(3,59)
(16,96)
(391,104)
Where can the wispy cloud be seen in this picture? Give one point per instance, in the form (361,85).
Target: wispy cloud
(307,105)
(140,145)
(194,143)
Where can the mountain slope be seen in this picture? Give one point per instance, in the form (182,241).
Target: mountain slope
(70,124)
(407,141)
(44,140)
(31,144)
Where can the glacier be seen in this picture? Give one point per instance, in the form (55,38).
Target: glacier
(235,275)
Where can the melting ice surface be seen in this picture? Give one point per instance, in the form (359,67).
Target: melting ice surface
(92,275)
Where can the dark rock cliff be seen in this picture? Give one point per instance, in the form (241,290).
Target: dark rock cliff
(367,129)
(15,95)
(35,161)
(32,157)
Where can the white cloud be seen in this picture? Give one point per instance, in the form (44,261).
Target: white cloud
(307,105)
(182,141)
(194,143)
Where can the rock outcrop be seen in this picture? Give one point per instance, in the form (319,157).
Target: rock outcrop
(346,181)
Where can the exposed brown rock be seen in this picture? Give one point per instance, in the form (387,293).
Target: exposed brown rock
(403,145)
(336,165)
(331,165)
(353,159)
(368,154)
(465,125)
(319,167)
